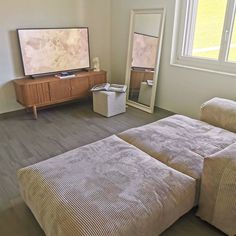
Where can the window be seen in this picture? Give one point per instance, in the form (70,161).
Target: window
(207,34)
(208,28)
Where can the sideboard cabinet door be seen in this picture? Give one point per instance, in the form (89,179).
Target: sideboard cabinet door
(60,90)
(36,94)
(79,87)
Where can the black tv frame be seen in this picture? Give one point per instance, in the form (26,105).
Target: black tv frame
(54,72)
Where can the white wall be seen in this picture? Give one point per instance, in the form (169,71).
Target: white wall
(144,23)
(179,90)
(96,14)
(20,14)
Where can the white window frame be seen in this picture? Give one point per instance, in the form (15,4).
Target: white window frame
(184,27)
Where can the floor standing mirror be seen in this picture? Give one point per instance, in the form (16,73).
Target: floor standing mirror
(145,40)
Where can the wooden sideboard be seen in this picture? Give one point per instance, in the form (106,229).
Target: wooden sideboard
(44,91)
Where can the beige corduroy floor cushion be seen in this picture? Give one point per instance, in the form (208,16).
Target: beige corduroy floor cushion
(218,190)
(180,142)
(140,182)
(108,188)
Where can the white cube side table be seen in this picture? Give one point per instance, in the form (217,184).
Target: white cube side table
(109,103)
(145,94)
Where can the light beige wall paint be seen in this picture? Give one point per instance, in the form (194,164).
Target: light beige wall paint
(20,14)
(96,14)
(179,90)
(144,24)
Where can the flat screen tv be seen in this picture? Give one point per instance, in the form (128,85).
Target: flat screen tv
(144,51)
(48,51)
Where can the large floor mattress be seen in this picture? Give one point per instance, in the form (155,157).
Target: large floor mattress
(180,142)
(107,188)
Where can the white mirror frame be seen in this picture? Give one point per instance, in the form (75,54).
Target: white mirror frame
(149,109)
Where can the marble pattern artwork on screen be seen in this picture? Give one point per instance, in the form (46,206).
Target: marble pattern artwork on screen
(52,50)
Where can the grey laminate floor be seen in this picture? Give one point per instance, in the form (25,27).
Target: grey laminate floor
(24,141)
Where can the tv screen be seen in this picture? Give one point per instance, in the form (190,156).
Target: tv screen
(46,51)
(144,51)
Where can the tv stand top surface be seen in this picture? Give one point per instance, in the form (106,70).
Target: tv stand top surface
(50,78)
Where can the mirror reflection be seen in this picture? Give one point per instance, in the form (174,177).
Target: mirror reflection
(145,42)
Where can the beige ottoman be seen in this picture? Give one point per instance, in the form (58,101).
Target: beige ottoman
(218,190)
(220,112)
(107,188)
(109,103)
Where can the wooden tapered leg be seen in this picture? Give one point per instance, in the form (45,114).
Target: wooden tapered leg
(35,112)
